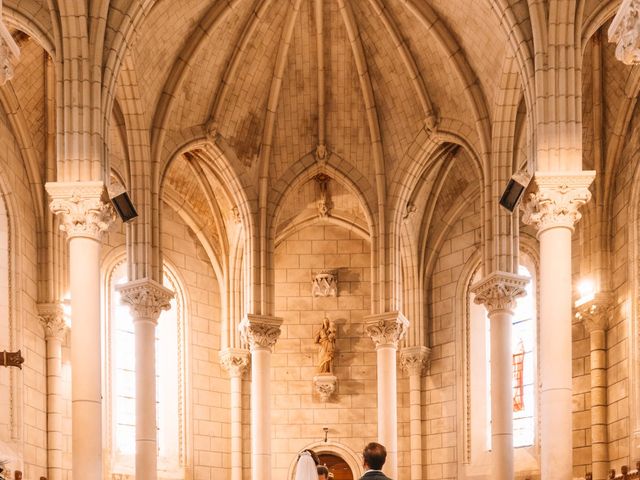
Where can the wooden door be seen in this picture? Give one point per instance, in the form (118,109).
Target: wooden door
(337,466)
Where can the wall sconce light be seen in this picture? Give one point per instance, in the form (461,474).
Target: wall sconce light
(326,433)
(586,290)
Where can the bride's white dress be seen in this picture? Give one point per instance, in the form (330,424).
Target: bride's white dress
(306,468)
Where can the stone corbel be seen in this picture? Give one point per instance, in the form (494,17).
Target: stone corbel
(625,32)
(325,385)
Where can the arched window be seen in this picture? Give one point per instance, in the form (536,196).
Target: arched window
(523,343)
(169,379)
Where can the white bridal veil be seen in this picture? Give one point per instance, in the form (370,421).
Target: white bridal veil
(306,468)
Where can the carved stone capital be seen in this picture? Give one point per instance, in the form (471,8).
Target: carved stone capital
(235,361)
(325,385)
(556,199)
(386,329)
(82,207)
(260,332)
(146,299)
(415,360)
(595,312)
(625,32)
(499,291)
(52,320)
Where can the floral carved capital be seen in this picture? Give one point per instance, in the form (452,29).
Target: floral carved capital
(260,331)
(625,32)
(82,208)
(596,312)
(235,361)
(556,199)
(499,291)
(415,360)
(386,329)
(51,318)
(146,298)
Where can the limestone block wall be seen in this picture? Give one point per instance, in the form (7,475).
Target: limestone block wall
(441,418)
(22,392)
(298,413)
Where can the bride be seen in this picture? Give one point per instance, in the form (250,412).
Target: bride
(306,467)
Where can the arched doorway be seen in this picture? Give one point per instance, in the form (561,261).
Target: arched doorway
(336,465)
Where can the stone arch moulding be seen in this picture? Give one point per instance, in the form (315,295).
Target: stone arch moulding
(353,459)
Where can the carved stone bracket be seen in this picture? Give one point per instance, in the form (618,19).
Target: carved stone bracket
(325,284)
(386,329)
(83,208)
(499,291)
(625,31)
(260,331)
(52,320)
(325,385)
(556,199)
(596,312)
(9,52)
(415,360)
(146,298)
(235,361)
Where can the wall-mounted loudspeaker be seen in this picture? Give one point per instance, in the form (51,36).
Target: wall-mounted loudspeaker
(124,206)
(514,192)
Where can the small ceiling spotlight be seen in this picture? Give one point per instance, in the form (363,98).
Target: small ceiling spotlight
(586,290)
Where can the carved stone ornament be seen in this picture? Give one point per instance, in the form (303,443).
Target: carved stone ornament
(325,385)
(415,360)
(52,320)
(260,331)
(146,298)
(386,329)
(625,31)
(325,284)
(9,52)
(82,207)
(499,291)
(556,199)
(235,361)
(324,201)
(596,312)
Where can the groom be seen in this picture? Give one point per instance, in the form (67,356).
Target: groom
(374,457)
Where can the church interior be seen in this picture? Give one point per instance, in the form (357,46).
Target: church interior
(233,230)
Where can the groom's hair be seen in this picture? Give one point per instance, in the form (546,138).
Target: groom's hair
(374,455)
(322,470)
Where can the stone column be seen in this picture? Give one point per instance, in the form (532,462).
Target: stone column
(498,293)
(146,299)
(415,360)
(260,332)
(52,320)
(85,214)
(553,209)
(386,330)
(235,361)
(595,315)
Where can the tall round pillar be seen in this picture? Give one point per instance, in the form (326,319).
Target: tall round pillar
(146,299)
(595,315)
(553,209)
(235,362)
(498,293)
(415,360)
(85,214)
(260,332)
(386,330)
(52,320)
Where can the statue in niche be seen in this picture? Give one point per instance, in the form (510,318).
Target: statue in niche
(326,339)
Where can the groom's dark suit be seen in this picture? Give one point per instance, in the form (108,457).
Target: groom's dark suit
(374,475)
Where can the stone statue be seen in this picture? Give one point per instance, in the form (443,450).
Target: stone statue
(326,338)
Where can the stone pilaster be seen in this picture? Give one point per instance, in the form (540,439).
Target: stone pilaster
(146,299)
(625,32)
(595,314)
(553,208)
(416,361)
(52,319)
(85,213)
(261,333)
